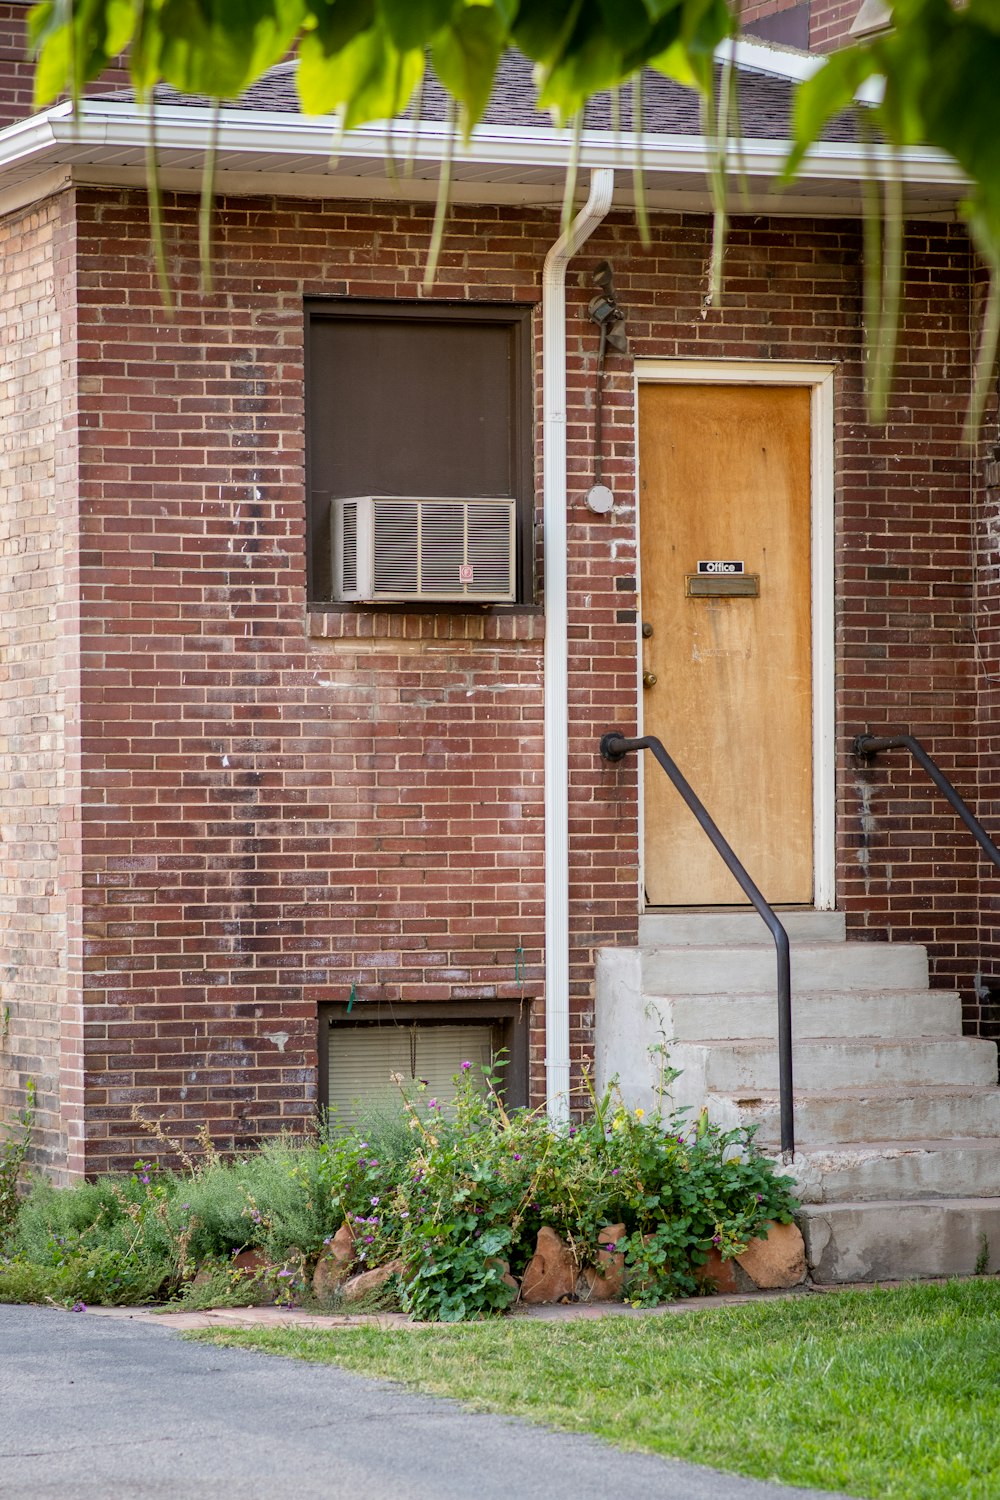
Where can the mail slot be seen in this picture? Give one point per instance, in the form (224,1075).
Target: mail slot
(722,585)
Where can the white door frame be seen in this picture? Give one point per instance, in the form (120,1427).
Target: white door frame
(819,379)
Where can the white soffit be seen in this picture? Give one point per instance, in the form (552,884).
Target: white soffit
(262,152)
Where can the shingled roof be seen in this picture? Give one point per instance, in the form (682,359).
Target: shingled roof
(668,108)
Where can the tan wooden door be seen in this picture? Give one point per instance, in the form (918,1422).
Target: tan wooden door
(725,477)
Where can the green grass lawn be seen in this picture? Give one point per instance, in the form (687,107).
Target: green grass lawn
(877,1393)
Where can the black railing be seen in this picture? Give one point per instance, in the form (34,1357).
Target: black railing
(868,745)
(615,747)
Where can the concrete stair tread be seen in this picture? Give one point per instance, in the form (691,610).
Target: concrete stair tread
(885,1239)
(743,924)
(710,968)
(813,1210)
(901,1147)
(862,1043)
(880,1092)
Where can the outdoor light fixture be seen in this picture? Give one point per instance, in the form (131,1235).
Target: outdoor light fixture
(603,310)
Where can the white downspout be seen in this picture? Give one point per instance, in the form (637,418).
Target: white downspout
(602,182)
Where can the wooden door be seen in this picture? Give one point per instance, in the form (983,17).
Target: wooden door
(725,478)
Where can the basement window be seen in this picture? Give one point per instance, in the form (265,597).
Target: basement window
(358,1057)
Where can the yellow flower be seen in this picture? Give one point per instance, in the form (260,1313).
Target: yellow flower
(640,1114)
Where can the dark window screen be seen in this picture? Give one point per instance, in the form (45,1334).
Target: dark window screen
(412,405)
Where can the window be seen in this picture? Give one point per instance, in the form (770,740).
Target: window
(420,1041)
(416,400)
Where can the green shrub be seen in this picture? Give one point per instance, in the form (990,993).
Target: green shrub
(13,1152)
(457,1194)
(484,1182)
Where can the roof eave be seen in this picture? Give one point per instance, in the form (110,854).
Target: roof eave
(500,163)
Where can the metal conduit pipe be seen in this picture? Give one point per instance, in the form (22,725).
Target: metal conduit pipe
(556,692)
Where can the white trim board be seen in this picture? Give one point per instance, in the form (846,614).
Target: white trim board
(819,379)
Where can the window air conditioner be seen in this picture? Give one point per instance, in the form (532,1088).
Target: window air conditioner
(394,547)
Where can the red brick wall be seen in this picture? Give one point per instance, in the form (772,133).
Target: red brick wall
(907,517)
(282,804)
(829,21)
(41,1033)
(17,67)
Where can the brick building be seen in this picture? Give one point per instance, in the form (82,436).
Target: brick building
(253,800)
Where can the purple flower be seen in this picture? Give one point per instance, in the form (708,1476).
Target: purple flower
(144,1177)
(517,1156)
(79,1307)
(432,1104)
(466,1066)
(405,1214)
(369,1239)
(287,1275)
(374,1203)
(760,1197)
(615,1171)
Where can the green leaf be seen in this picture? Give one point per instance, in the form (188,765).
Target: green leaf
(368,79)
(219,47)
(52,68)
(465,57)
(827,93)
(543,28)
(628,22)
(412,23)
(336,22)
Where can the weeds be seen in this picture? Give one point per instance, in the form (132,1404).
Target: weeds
(457,1195)
(12,1157)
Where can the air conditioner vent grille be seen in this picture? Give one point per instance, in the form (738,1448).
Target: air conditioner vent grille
(394,547)
(350,544)
(396,550)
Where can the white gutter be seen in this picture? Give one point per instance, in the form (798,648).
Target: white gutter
(556,503)
(117,133)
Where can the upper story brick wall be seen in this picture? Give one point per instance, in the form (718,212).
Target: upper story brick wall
(815,25)
(17,67)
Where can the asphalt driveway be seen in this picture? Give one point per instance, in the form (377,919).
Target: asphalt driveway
(98,1408)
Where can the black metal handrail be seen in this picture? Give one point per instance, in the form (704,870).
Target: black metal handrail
(868,745)
(615,747)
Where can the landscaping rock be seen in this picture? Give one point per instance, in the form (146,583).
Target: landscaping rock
(250,1262)
(506,1278)
(334,1265)
(725,1275)
(777,1261)
(605,1281)
(550,1275)
(368,1282)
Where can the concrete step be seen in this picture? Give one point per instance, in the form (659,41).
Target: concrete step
(898,1014)
(924,1113)
(824,1064)
(890,1240)
(693,970)
(726,926)
(871,1171)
